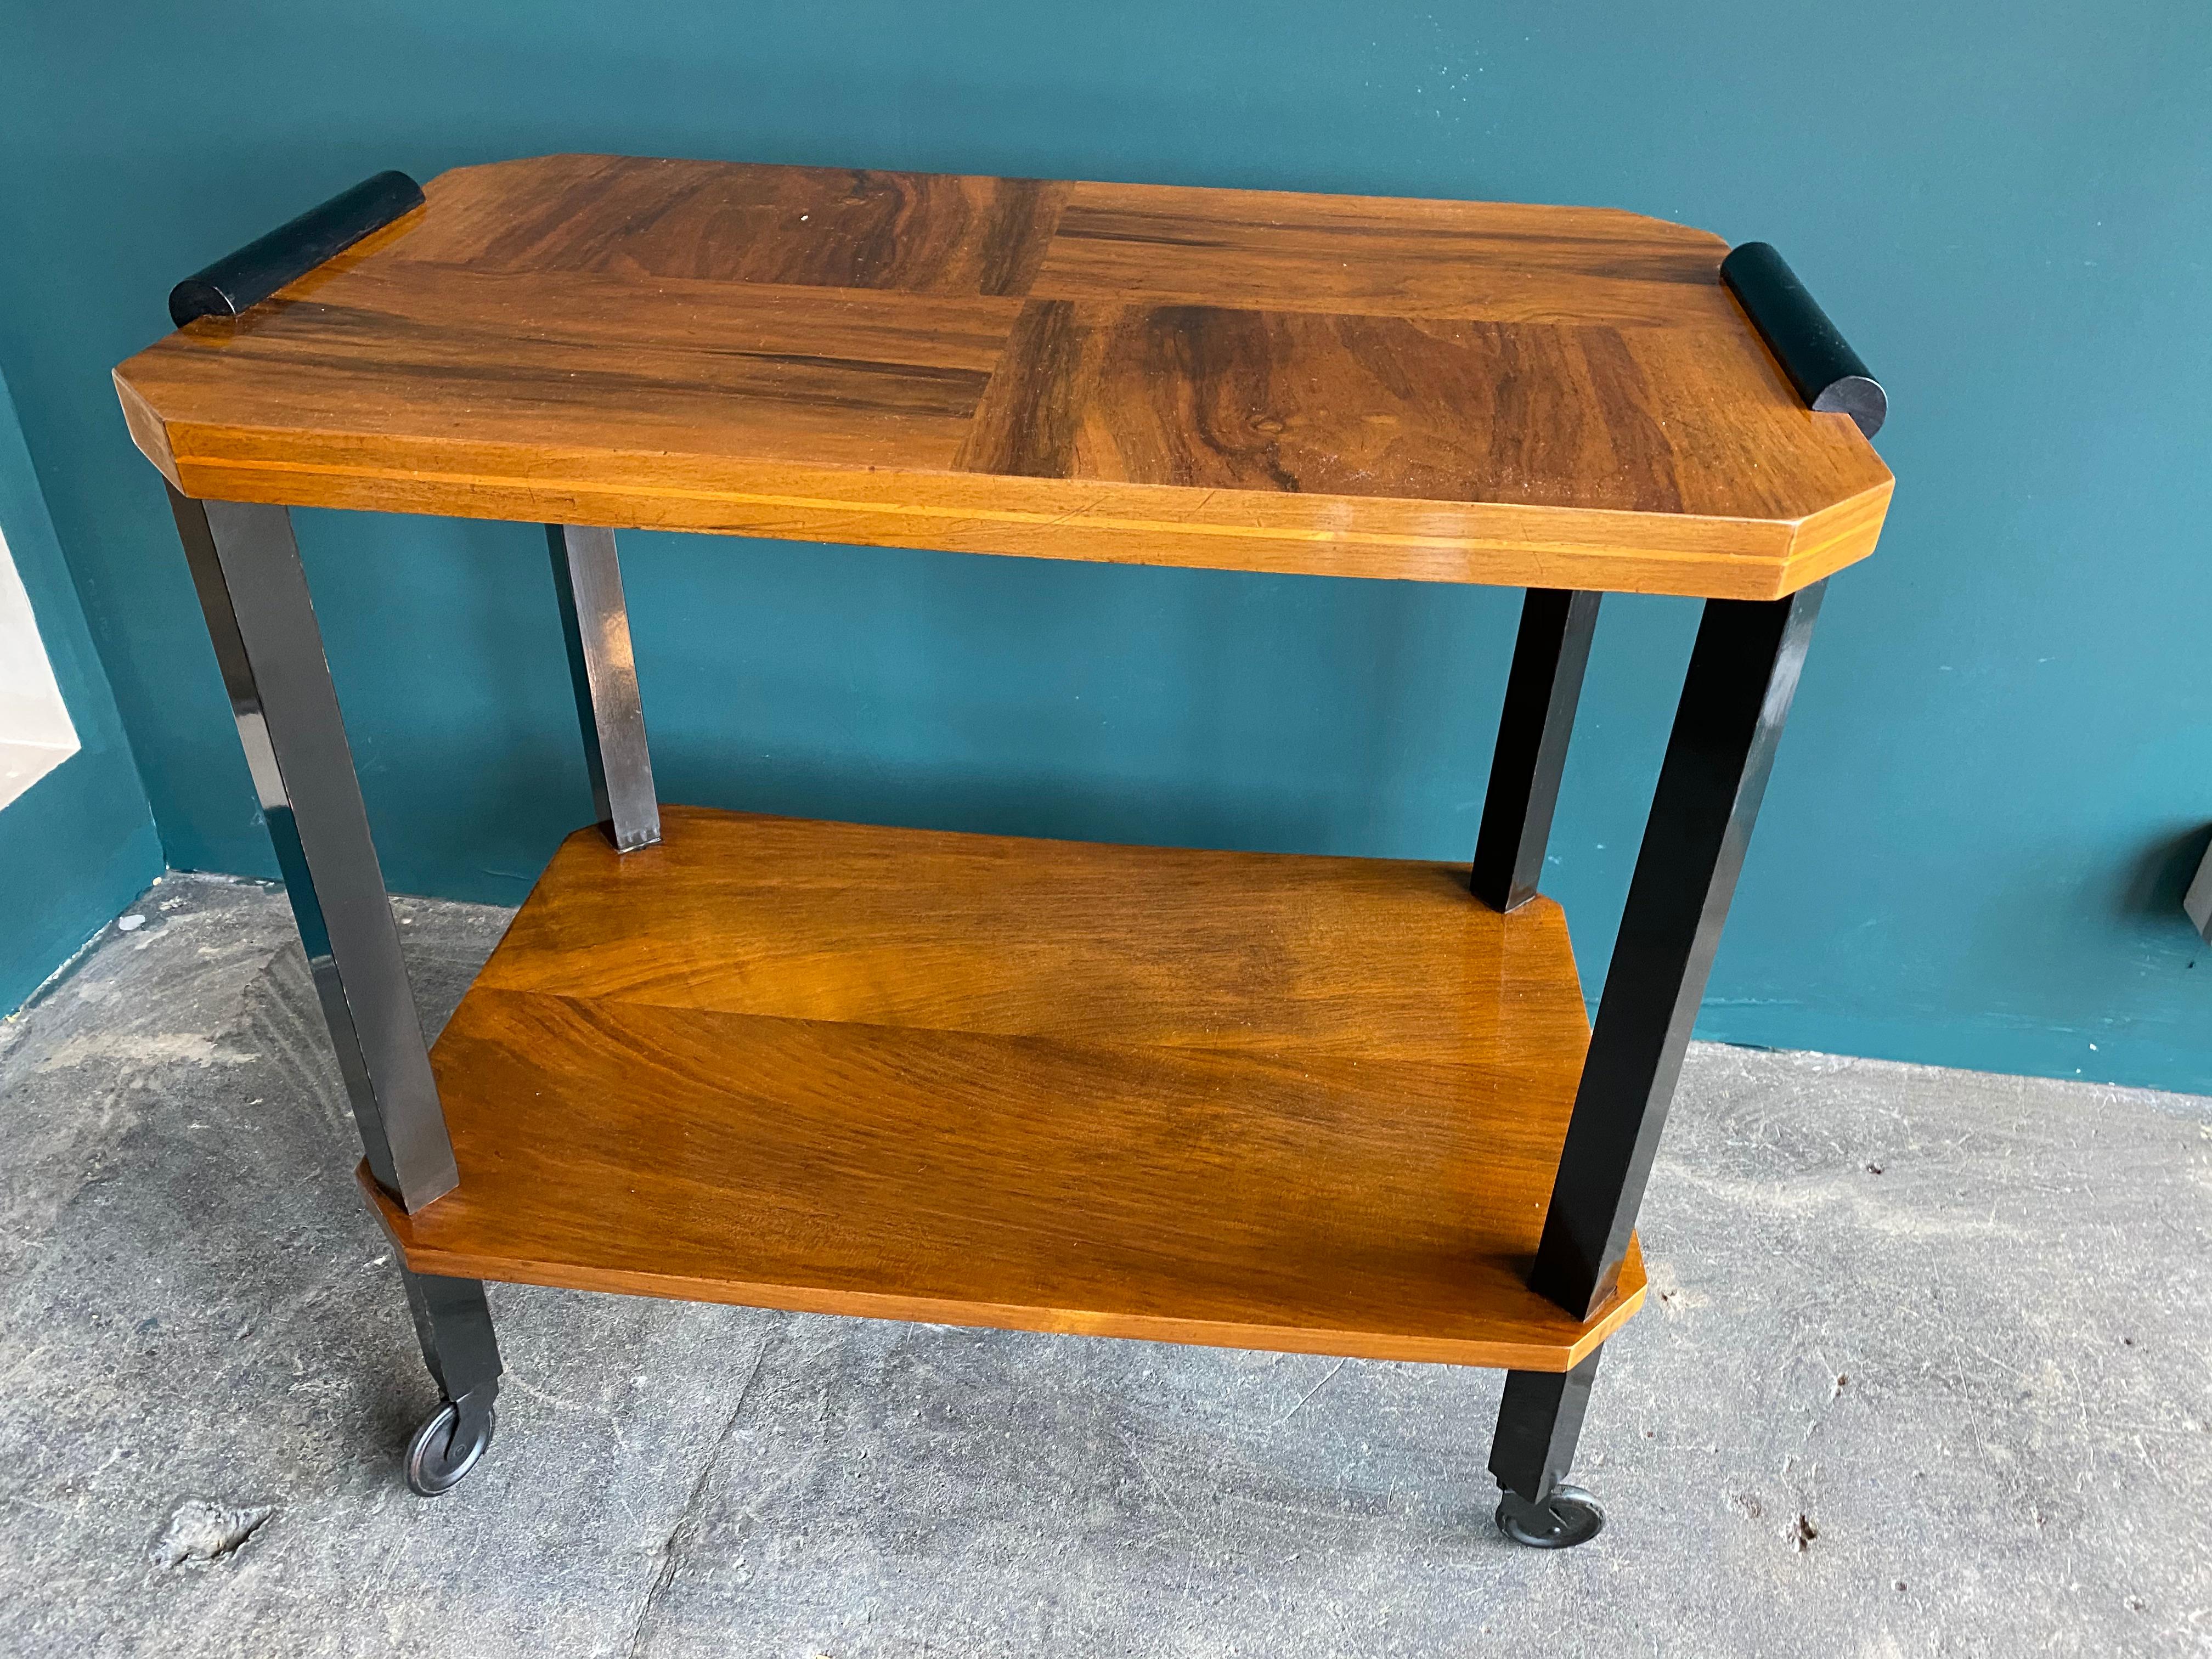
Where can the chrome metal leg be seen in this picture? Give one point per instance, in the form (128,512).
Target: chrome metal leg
(254,593)
(1549,655)
(1743,673)
(587,580)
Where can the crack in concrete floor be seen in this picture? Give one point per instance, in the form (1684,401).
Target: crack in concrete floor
(672,1551)
(1923,1373)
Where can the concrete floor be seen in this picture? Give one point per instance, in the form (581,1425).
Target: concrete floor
(1924,1372)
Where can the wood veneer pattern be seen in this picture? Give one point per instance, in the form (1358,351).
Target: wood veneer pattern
(1428,391)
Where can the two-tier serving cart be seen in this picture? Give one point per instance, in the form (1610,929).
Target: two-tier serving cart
(1319,1105)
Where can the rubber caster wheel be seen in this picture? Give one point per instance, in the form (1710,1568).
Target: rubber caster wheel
(1568,1517)
(437,1460)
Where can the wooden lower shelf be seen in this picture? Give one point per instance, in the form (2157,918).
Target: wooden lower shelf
(1307,1104)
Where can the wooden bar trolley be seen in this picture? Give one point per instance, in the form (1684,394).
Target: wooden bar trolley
(1319,1105)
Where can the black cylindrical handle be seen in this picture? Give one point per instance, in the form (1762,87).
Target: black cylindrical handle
(291,250)
(1812,351)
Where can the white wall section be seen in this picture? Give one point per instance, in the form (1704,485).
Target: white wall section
(35,732)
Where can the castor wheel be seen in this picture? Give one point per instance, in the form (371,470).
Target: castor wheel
(444,1449)
(1568,1517)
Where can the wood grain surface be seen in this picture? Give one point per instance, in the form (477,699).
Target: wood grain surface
(1307,1104)
(1436,391)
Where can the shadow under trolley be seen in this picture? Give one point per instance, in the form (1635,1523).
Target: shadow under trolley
(1312,1104)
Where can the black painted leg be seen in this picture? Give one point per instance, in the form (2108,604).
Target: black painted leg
(1539,1421)
(1549,656)
(1743,675)
(453,1322)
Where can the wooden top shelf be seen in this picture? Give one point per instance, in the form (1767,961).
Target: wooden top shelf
(1437,390)
(1310,1104)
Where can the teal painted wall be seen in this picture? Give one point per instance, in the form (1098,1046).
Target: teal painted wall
(79,843)
(2001,759)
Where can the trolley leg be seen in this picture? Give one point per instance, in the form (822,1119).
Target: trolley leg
(1539,1421)
(254,593)
(1549,656)
(1743,672)
(453,1322)
(588,581)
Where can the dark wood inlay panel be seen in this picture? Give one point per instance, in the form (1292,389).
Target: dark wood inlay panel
(718,221)
(1278,251)
(1200,397)
(717,367)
